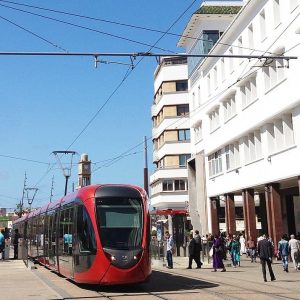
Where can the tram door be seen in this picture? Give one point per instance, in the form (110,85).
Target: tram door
(52,220)
(65,238)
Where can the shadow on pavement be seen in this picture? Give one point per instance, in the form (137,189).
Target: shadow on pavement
(159,282)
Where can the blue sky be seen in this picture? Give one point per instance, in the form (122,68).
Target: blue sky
(47,101)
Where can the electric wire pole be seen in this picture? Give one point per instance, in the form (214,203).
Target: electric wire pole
(146,184)
(51,191)
(22,199)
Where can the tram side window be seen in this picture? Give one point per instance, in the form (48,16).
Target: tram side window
(85,231)
(65,234)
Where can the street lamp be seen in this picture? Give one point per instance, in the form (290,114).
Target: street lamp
(66,170)
(32,192)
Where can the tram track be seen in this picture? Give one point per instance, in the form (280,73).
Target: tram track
(234,286)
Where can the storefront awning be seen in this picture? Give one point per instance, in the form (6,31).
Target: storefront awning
(169,212)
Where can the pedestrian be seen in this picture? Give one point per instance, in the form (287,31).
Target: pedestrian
(265,252)
(283,249)
(218,253)
(16,243)
(6,243)
(191,248)
(294,248)
(251,246)
(170,246)
(198,249)
(235,252)
(242,244)
(205,244)
(2,243)
(194,250)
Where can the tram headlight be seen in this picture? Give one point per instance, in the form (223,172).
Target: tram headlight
(112,258)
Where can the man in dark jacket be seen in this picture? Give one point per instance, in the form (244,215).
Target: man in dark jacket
(198,249)
(265,252)
(194,250)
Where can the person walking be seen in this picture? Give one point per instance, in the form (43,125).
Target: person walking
(198,249)
(2,243)
(191,248)
(265,252)
(251,246)
(283,249)
(16,243)
(294,248)
(235,252)
(242,241)
(6,243)
(218,253)
(170,246)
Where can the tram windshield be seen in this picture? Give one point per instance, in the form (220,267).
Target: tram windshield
(120,222)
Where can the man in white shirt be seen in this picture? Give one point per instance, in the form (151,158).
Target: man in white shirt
(170,245)
(294,248)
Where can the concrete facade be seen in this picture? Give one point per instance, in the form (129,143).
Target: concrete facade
(171,135)
(246,113)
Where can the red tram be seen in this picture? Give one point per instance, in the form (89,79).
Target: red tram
(99,234)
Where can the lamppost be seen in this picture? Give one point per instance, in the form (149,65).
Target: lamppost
(32,192)
(66,170)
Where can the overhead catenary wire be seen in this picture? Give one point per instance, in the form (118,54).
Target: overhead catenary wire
(84,27)
(118,86)
(34,34)
(24,159)
(127,25)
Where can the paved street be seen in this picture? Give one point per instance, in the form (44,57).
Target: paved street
(19,282)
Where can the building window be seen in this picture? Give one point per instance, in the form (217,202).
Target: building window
(215,163)
(249,92)
(252,146)
(198,132)
(230,61)
(180,185)
(215,78)
(229,108)
(184,135)
(222,68)
(181,86)
(273,73)
(232,155)
(276,12)
(240,48)
(182,110)
(250,37)
(199,96)
(167,185)
(208,85)
(262,21)
(183,158)
(281,134)
(214,119)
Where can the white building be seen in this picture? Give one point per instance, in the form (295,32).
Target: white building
(245,116)
(171,138)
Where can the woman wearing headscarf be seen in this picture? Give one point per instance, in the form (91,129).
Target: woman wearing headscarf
(218,254)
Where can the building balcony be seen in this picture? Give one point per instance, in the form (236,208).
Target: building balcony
(172,98)
(169,200)
(174,148)
(171,172)
(176,122)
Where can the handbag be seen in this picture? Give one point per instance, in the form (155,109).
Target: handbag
(211,252)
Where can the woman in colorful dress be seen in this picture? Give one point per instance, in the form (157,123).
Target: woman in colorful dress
(235,252)
(218,254)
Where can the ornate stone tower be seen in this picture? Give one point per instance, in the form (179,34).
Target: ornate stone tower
(84,171)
